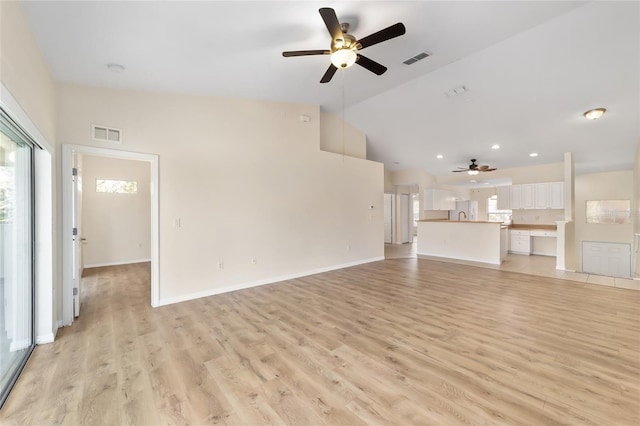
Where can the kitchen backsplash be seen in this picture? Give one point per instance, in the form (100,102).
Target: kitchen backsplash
(542,217)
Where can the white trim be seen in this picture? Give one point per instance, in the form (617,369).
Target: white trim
(45,338)
(67,246)
(45,282)
(453,259)
(123,262)
(242,286)
(16,112)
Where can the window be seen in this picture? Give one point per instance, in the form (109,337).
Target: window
(16,252)
(495,215)
(117,186)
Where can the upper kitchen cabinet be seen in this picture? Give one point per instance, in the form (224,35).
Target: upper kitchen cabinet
(523,196)
(504,197)
(439,199)
(549,195)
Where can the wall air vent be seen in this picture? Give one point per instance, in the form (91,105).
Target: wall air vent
(106,134)
(420,56)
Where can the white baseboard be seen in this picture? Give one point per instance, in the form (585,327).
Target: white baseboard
(242,286)
(452,259)
(123,262)
(45,338)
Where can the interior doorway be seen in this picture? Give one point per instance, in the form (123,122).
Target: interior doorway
(72,222)
(389,218)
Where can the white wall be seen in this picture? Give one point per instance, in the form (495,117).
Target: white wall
(117,227)
(636,212)
(601,186)
(247,179)
(340,137)
(29,90)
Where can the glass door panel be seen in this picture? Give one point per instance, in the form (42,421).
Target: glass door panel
(16,255)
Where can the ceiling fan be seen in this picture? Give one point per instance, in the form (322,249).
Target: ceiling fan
(345,47)
(474,169)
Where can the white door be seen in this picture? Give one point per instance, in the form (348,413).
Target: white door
(405,219)
(389,217)
(609,259)
(77,243)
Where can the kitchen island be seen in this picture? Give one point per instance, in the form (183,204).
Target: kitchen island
(476,241)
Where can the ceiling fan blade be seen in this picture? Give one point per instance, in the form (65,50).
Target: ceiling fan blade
(388,33)
(329,74)
(458,171)
(331,21)
(372,66)
(486,170)
(305,53)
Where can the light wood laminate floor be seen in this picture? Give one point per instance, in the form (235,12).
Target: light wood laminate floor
(534,265)
(403,341)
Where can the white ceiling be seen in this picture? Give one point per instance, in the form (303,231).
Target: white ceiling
(531,70)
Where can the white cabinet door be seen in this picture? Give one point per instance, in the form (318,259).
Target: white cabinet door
(520,242)
(528,196)
(504,197)
(516,197)
(604,258)
(439,199)
(542,195)
(556,195)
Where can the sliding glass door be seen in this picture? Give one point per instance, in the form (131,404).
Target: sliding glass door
(16,253)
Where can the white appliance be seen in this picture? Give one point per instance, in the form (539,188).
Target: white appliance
(470,209)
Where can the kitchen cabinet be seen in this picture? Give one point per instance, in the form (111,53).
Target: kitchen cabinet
(523,196)
(439,199)
(556,195)
(521,242)
(549,195)
(504,197)
(515,197)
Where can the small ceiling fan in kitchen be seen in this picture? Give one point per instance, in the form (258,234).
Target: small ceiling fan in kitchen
(474,169)
(345,48)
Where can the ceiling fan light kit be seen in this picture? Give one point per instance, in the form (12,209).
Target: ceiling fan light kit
(594,114)
(345,47)
(343,58)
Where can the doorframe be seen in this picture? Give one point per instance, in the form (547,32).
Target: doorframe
(67,220)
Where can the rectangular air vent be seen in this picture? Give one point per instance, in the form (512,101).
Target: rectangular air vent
(106,134)
(420,56)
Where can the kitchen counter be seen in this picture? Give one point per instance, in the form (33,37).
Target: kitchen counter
(528,226)
(459,221)
(477,241)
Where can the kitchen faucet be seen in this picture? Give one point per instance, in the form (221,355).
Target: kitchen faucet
(461,212)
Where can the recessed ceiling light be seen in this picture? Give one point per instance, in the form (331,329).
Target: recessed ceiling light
(594,114)
(116,68)
(485,183)
(496,146)
(533,154)
(473,181)
(439,156)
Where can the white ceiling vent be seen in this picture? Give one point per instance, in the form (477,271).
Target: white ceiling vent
(106,134)
(420,56)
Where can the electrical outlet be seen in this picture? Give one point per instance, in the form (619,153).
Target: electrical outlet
(220,265)
(254,260)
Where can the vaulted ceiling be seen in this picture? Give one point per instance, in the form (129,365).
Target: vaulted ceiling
(530,69)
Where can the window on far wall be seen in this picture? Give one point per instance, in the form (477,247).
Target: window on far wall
(117,186)
(495,215)
(416,209)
